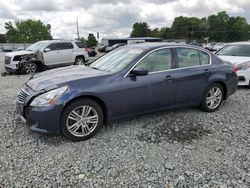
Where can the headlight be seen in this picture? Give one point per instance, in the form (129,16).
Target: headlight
(244,66)
(49,98)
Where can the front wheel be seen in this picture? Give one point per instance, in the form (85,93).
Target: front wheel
(212,98)
(81,119)
(29,68)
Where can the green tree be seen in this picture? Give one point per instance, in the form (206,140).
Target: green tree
(83,41)
(140,29)
(2,38)
(238,29)
(218,26)
(29,31)
(91,42)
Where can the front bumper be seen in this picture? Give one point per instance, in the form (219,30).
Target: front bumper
(13,67)
(45,120)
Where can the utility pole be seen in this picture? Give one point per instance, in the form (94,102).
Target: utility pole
(77,29)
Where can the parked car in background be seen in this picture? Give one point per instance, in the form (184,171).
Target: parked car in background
(238,54)
(128,81)
(102,49)
(210,46)
(46,54)
(91,52)
(218,46)
(109,49)
(196,44)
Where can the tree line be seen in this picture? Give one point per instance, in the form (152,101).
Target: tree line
(31,31)
(219,27)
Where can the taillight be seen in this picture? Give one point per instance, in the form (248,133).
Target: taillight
(235,68)
(86,49)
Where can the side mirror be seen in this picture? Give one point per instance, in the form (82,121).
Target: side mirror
(139,72)
(46,49)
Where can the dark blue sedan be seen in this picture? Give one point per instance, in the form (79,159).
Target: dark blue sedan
(77,100)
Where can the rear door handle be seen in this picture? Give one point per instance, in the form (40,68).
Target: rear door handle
(168,78)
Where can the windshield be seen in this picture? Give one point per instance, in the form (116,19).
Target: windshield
(235,50)
(116,60)
(36,46)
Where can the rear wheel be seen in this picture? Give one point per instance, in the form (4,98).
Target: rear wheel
(29,68)
(79,61)
(81,119)
(212,98)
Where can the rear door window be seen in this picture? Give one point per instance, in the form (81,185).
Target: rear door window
(188,57)
(204,58)
(80,45)
(66,46)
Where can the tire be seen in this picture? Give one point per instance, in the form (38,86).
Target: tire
(76,125)
(29,68)
(212,98)
(79,61)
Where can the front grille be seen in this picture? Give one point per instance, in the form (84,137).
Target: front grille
(7,60)
(22,96)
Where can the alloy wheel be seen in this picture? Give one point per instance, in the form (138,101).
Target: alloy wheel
(214,97)
(80,61)
(82,121)
(30,68)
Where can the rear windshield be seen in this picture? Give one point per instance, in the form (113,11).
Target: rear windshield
(80,45)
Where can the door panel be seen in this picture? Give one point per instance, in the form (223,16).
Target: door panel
(134,94)
(160,78)
(67,56)
(53,56)
(191,83)
(192,74)
(162,89)
(67,52)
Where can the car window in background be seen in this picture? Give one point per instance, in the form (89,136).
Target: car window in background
(187,57)
(54,46)
(66,45)
(159,60)
(116,60)
(80,45)
(204,58)
(235,50)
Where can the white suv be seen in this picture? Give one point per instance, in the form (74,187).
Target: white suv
(46,54)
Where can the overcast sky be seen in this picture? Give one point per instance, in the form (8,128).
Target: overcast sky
(112,18)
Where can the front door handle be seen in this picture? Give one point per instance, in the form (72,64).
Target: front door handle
(168,78)
(207,72)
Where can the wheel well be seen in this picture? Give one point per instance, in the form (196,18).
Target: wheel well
(96,99)
(39,64)
(224,88)
(82,56)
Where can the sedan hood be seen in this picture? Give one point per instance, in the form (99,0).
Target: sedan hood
(54,78)
(235,59)
(22,52)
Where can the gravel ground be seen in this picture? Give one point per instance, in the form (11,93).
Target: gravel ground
(178,148)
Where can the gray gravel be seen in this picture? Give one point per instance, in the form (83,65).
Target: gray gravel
(178,148)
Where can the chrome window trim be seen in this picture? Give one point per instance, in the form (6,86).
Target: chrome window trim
(167,47)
